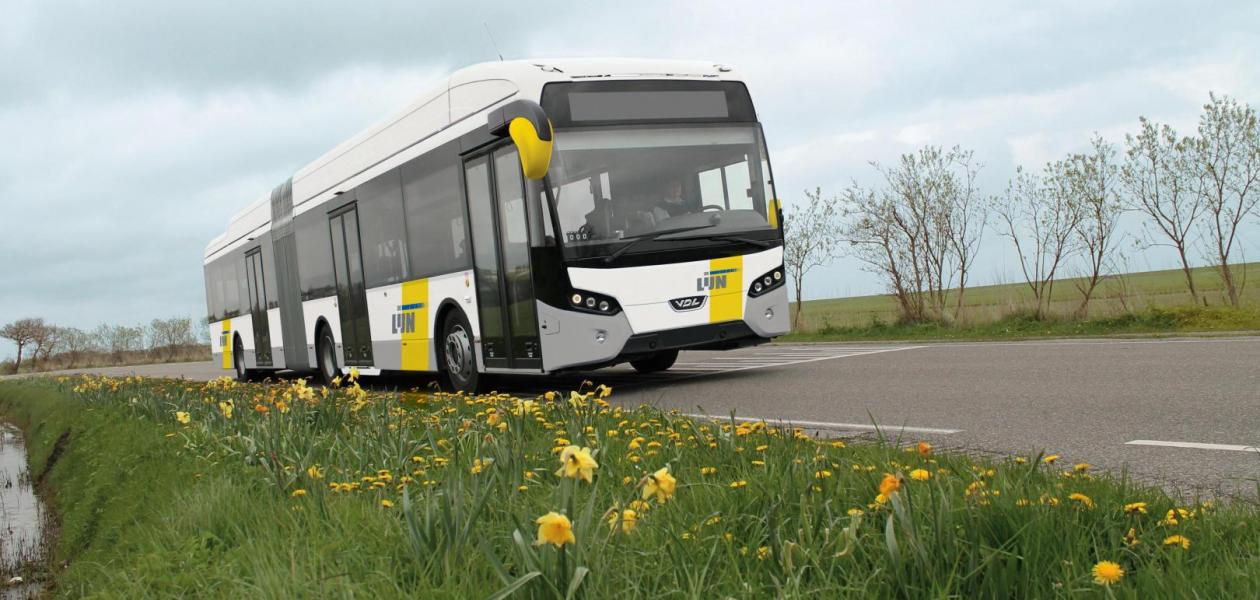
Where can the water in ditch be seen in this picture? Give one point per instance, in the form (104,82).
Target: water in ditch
(22,548)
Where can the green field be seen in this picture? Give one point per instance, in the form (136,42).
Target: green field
(1146,302)
(166,488)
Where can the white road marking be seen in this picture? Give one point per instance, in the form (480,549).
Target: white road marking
(1195,445)
(827,424)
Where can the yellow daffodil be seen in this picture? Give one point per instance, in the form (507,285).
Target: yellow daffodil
(822,474)
(1134,508)
(708,470)
(837,444)
(1107,572)
(387,503)
(183,418)
(555,529)
(1081,468)
(1131,538)
(735,485)
(856,512)
(314,472)
(920,475)
(659,484)
(925,449)
(354,374)
(628,519)
(298,493)
(226,407)
(763,553)
(577,463)
(1049,460)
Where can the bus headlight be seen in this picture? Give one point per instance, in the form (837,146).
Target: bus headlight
(590,302)
(766,283)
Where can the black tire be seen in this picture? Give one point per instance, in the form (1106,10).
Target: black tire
(326,356)
(457,356)
(656,362)
(243,375)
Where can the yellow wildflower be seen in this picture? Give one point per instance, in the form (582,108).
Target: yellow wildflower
(891,483)
(660,484)
(1084,500)
(1178,540)
(1107,572)
(738,484)
(837,444)
(628,519)
(1081,468)
(925,449)
(763,553)
(298,493)
(354,374)
(555,529)
(226,407)
(920,475)
(386,503)
(1131,538)
(708,470)
(1133,508)
(1049,460)
(183,418)
(856,512)
(314,472)
(823,474)
(577,463)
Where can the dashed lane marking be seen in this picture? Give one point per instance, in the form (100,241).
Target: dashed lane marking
(1195,445)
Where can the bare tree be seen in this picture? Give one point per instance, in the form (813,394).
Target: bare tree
(1041,214)
(1156,175)
(1226,159)
(810,240)
(1093,179)
(22,333)
(74,344)
(46,339)
(169,335)
(921,230)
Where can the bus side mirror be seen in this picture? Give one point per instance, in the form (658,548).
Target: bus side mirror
(530,129)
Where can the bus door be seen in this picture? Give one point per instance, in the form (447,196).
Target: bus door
(258,307)
(356,335)
(500,236)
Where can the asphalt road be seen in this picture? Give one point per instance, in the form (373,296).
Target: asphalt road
(1086,400)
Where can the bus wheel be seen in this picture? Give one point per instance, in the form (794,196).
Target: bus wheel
(656,362)
(456,355)
(326,354)
(238,361)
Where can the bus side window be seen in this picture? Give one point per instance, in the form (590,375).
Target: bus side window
(437,241)
(382,231)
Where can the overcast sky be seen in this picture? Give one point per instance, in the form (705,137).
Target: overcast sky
(133,130)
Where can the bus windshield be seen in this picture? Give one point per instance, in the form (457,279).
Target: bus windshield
(615,183)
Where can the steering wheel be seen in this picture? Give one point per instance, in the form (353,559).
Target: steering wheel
(712,206)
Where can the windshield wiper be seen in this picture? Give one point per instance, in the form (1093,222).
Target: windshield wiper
(650,236)
(731,238)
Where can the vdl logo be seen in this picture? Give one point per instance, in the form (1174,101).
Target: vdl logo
(713,280)
(404,320)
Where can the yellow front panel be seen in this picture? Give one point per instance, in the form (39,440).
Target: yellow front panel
(414,313)
(225,341)
(726,289)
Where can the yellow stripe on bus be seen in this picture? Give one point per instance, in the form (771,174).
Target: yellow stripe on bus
(772,210)
(726,303)
(415,335)
(225,341)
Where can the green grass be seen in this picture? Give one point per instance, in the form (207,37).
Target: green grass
(1146,302)
(152,508)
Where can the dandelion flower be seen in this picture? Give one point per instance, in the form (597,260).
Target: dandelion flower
(1049,460)
(1134,508)
(1081,468)
(1107,572)
(920,475)
(708,470)
(314,472)
(1019,460)
(837,444)
(555,529)
(387,503)
(889,484)
(1178,540)
(1084,500)
(577,463)
(183,418)
(298,493)
(735,485)
(660,484)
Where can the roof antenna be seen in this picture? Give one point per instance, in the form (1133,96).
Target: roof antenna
(492,44)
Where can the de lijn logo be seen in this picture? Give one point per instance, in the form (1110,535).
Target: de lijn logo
(405,319)
(713,280)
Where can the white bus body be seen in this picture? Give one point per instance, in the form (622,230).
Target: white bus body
(418,244)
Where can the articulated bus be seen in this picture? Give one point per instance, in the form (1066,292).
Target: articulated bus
(524,217)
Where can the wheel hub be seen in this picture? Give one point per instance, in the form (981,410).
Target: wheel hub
(458,351)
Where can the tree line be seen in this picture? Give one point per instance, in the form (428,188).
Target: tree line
(920,228)
(43,346)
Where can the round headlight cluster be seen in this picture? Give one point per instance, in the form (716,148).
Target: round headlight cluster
(587,301)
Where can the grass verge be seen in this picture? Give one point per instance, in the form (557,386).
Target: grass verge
(1157,321)
(171,488)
